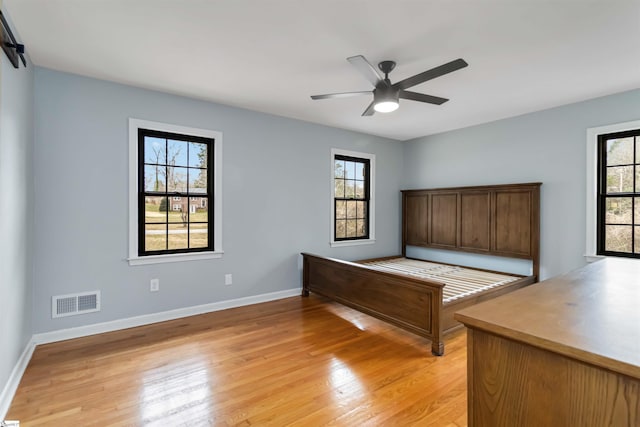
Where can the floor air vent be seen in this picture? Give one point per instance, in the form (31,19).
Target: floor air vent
(72,304)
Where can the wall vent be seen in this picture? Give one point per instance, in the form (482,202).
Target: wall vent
(72,304)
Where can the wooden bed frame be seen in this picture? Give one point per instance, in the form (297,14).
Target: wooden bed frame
(501,220)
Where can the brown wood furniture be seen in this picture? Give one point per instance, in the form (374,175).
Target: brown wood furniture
(563,352)
(498,220)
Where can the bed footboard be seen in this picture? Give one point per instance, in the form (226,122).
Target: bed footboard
(410,303)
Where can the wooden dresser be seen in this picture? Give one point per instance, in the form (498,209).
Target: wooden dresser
(563,352)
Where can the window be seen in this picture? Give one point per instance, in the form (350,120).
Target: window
(618,232)
(352,198)
(175,176)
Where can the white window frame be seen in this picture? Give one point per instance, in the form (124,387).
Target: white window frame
(134,258)
(372,204)
(591,248)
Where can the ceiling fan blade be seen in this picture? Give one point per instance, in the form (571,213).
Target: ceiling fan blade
(340,95)
(431,74)
(366,69)
(415,96)
(369,111)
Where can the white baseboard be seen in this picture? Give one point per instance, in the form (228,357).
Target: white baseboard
(131,322)
(14,379)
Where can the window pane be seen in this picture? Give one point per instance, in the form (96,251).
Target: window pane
(198,211)
(198,237)
(198,181)
(637,239)
(351,228)
(350,188)
(618,210)
(177,179)
(637,178)
(620,151)
(155,209)
(351,209)
(178,212)
(361,206)
(178,236)
(341,209)
(350,170)
(339,188)
(338,171)
(359,189)
(361,228)
(620,179)
(154,178)
(177,153)
(359,171)
(197,155)
(618,238)
(637,149)
(341,229)
(155,150)
(155,237)
(636,214)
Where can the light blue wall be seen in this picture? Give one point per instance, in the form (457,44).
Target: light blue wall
(16,214)
(547,146)
(276,189)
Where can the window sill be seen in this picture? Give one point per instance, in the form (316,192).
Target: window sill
(594,258)
(161,259)
(352,243)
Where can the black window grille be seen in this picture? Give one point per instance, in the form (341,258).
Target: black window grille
(618,231)
(351,198)
(175,191)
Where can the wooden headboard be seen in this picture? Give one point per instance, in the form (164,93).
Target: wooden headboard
(501,220)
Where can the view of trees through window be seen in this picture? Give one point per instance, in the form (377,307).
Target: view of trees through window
(174,196)
(351,203)
(619,195)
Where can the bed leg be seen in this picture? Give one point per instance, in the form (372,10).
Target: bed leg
(305,276)
(437,348)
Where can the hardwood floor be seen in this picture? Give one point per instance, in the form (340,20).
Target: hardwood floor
(297,361)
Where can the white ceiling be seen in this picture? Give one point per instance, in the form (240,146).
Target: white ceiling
(270,56)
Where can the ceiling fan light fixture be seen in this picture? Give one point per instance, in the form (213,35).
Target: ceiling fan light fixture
(386,99)
(386,106)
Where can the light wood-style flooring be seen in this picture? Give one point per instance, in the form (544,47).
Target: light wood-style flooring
(296,361)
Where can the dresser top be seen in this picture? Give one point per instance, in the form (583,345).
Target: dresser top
(591,314)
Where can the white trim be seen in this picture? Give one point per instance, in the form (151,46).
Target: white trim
(351,242)
(592,182)
(161,259)
(134,125)
(372,197)
(13,382)
(131,322)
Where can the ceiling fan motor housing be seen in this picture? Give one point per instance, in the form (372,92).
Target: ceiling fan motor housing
(386,93)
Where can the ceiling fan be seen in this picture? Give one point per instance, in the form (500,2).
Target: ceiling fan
(385,94)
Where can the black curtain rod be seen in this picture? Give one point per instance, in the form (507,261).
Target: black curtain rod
(11,47)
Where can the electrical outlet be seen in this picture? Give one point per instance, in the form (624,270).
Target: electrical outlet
(228,279)
(154,285)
